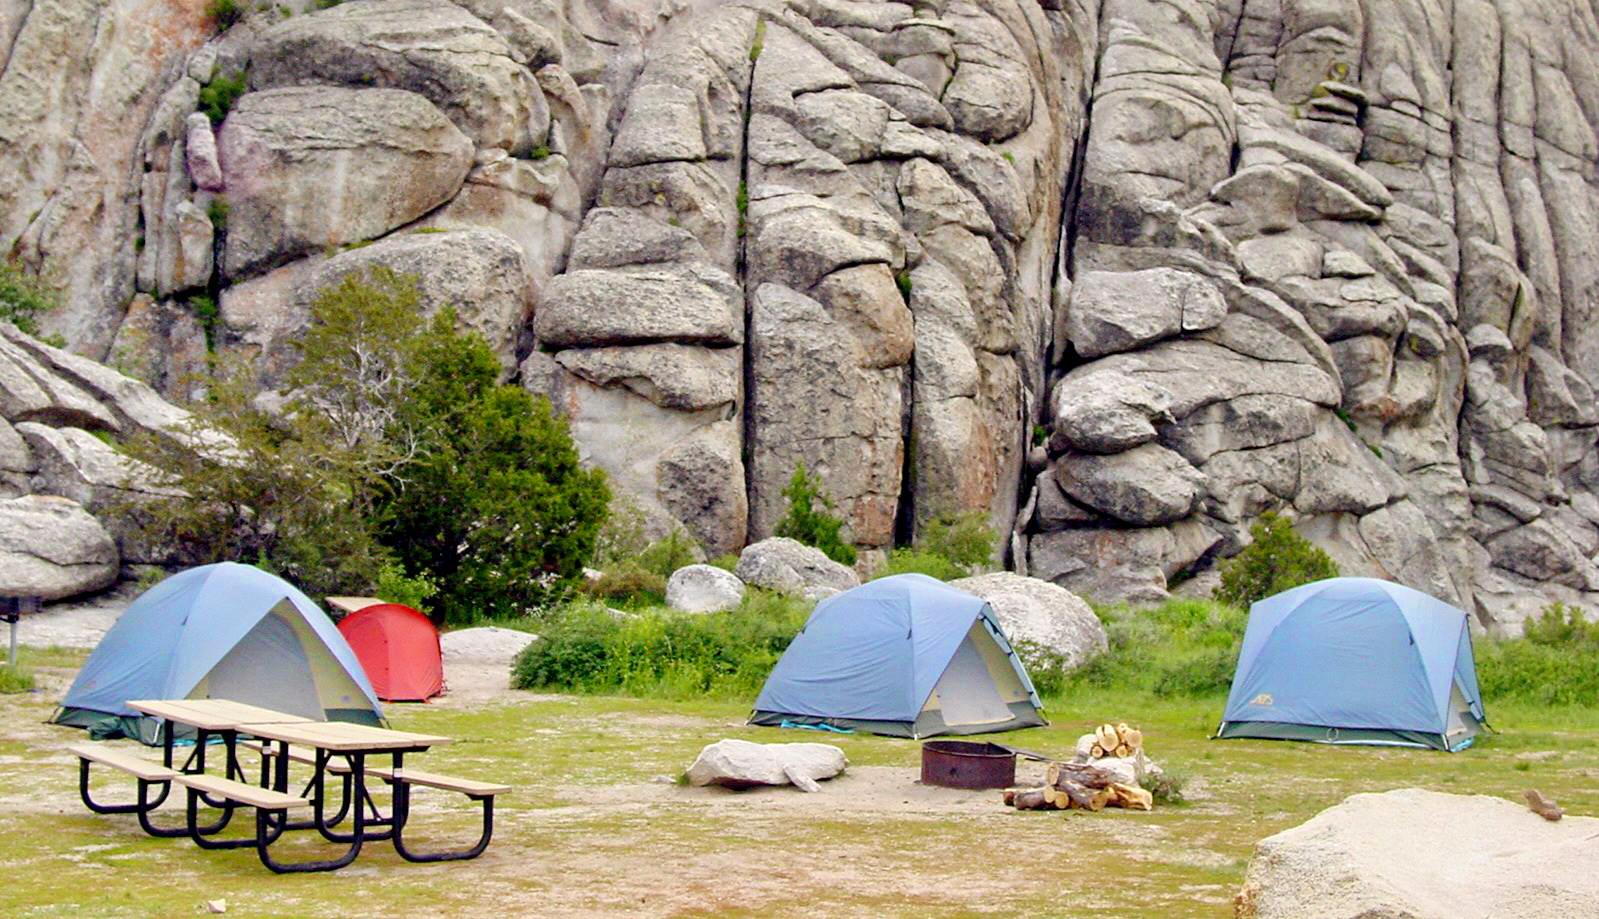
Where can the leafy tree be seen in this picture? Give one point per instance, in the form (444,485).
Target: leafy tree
(492,500)
(808,520)
(397,463)
(1276,560)
(23,298)
(265,494)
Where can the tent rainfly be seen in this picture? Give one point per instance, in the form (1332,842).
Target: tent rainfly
(398,648)
(905,656)
(224,631)
(1356,661)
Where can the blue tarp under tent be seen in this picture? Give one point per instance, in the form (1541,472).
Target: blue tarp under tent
(224,631)
(906,656)
(1356,661)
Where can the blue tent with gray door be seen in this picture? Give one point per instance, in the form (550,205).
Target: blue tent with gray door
(1356,661)
(906,656)
(224,631)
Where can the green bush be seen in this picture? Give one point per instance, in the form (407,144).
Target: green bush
(1183,647)
(395,586)
(218,95)
(630,586)
(1554,662)
(23,297)
(659,653)
(1167,787)
(15,679)
(496,505)
(965,539)
(1277,559)
(728,562)
(675,550)
(910,560)
(810,524)
(224,13)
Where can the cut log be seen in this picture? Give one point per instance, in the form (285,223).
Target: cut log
(1132,737)
(1132,797)
(1009,796)
(1031,799)
(1123,750)
(1106,735)
(1082,797)
(1096,751)
(1081,773)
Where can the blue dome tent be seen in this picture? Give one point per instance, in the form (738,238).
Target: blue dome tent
(224,631)
(906,656)
(1356,661)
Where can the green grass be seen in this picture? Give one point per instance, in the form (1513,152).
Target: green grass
(595,799)
(587,805)
(15,679)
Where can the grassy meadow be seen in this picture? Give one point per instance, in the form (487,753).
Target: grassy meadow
(596,824)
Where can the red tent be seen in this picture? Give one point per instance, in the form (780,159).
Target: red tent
(399,649)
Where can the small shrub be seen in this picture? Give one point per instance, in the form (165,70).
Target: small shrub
(224,13)
(1183,647)
(808,520)
(1277,559)
(217,97)
(205,310)
(1040,435)
(910,560)
(669,553)
(631,585)
(657,653)
(1167,787)
(621,537)
(217,211)
(1046,667)
(1562,626)
(965,539)
(759,42)
(903,279)
(23,297)
(395,586)
(728,562)
(541,152)
(15,679)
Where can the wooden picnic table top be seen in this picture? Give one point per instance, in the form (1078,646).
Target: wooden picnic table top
(213,714)
(342,736)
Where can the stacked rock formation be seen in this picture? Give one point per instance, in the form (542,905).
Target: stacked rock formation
(1120,275)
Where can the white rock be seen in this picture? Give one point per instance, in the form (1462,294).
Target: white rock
(791,567)
(743,764)
(484,645)
(1425,855)
(200,149)
(50,547)
(703,589)
(1037,611)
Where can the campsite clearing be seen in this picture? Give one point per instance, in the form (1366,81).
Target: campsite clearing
(590,804)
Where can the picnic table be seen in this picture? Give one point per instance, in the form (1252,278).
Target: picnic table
(337,748)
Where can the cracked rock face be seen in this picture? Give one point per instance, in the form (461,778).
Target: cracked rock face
(1121,276)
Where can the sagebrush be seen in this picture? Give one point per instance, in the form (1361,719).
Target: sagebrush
(1276,559)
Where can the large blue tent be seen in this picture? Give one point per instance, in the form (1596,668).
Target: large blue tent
(224,631)
(1356,661)
(907,656)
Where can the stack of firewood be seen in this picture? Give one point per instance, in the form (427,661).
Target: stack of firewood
(1115,740)
(1078,786)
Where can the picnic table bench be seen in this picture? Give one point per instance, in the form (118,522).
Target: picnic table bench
(338,749)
